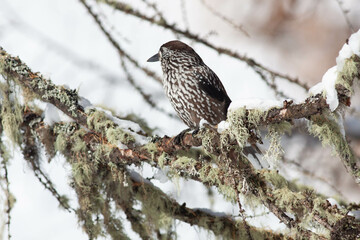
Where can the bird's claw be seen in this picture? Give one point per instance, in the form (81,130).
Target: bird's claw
(180,136)
(196,131)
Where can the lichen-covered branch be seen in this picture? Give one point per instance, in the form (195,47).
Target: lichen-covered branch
(99,149)
(130,183)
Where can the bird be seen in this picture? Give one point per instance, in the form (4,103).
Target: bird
(194,90)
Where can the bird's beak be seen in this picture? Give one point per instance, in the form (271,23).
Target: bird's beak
(154,58)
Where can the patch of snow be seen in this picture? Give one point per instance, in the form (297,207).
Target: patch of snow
(210,212)
(85,103)
(333,202)
(255,103)
(354,42)
(53,115)
(121,146)
(203,122)
(222,126)
(349,49)
(328,85)
(135,176)
(344,53)
(340,121)
(128,126)
(160,175)
(355,213)
(290,215)
(329,79)
(255,162)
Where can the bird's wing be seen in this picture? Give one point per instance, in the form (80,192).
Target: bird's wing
(209,82)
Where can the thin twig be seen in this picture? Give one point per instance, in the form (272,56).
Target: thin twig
(184,13)
(154,7)
(242,213)
(346,16)
(9,204)
(120,50)
(311,174)
(238,27)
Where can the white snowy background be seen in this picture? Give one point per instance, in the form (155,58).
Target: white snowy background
(59,39)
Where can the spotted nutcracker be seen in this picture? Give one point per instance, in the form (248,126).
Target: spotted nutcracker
(193,89)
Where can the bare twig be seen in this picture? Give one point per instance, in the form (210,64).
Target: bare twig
(242,214)
(184,14)
(120,50)
(9,204)
(345,14)
(4,164)
(311,174)
(238,27)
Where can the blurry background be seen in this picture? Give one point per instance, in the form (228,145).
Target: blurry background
(60,39)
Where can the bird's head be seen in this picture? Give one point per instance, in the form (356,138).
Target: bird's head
(175,51)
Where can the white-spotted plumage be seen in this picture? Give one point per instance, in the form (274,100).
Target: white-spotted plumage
(192,87)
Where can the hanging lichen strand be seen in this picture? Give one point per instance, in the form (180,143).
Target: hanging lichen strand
(328,126)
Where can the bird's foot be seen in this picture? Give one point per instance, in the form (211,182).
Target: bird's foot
(180,136)
(196,131)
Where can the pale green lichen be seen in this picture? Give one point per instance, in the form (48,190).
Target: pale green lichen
(291,202)
(163,158)
(255,116)
(155,209)
(240,120)
(11,64)
(152,149)
(273,177)
(207,137)
(210,173)
(228,192)
(99,122)
(62,132)
(82,174)
(102,152)
(60,142)
(321,208)
(237,128)
(275,150)
(304,204)
(77,141)
(347,75)
(328,131)
(11,112)
(50,91)
(185,164)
